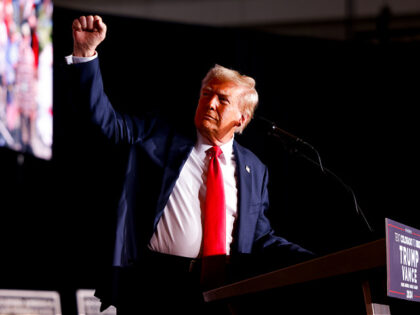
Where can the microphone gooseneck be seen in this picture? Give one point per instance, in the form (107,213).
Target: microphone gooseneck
(296,145)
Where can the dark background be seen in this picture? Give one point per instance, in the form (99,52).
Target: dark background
(356,103)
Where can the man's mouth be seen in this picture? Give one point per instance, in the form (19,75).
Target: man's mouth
(207,116)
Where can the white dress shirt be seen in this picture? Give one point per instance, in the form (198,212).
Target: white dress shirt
(180,229)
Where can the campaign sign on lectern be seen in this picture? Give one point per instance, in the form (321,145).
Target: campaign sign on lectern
(403,255)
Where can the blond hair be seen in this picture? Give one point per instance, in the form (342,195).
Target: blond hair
(249,97)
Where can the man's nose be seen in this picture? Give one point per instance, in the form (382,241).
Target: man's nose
(214,102)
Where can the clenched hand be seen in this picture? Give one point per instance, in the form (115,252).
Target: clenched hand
(88,33)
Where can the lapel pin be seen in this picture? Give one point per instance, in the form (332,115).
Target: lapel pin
(248,169)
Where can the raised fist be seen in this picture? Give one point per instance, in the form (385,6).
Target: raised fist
(88,33)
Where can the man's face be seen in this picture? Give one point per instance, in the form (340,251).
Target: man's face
(218,113)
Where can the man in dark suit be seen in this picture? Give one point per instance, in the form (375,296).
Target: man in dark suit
(159,235)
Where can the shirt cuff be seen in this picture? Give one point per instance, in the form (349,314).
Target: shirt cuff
(70,59)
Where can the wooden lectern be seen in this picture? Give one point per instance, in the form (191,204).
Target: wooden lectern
(358,262)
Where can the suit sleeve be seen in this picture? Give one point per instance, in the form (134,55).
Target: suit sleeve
(88,92)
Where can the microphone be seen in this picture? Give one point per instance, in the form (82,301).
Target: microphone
(290,141)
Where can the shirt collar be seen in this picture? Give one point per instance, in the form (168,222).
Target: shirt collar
(202,145)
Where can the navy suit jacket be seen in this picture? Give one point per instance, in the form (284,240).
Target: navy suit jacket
(157,153)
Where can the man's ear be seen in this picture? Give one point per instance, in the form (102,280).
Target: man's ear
(242,120)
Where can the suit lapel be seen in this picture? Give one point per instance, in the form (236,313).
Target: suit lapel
(244,178)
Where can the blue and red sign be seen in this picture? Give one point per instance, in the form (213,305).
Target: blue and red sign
(403,255)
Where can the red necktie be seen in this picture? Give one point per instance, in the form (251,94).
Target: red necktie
(214,231)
